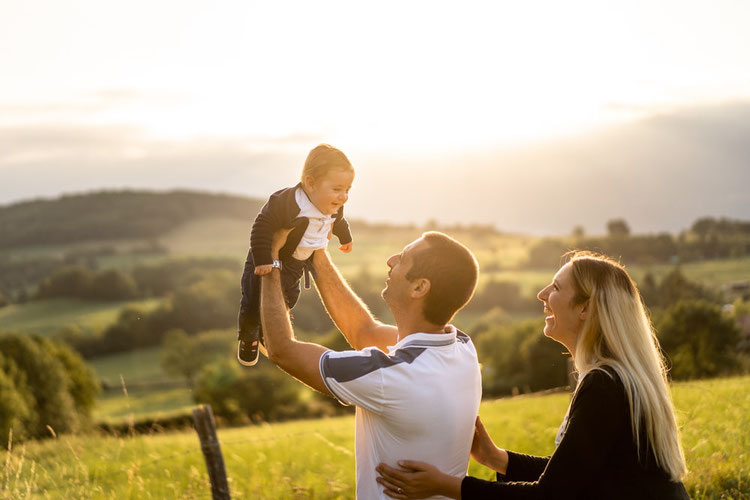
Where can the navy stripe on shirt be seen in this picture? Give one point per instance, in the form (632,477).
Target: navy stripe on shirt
(352,367)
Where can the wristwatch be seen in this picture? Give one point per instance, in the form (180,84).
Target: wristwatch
(276,264)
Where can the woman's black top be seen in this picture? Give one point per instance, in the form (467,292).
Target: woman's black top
(596,458)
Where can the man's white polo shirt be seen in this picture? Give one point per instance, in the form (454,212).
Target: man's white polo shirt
(418,402)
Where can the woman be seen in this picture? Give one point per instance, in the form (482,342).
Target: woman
(619,438)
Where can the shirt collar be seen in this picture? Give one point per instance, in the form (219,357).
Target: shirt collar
(426,339)
(305,205)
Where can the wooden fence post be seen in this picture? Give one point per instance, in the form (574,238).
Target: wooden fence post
(205,426)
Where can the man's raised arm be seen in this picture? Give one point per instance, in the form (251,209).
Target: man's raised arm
(347,311)
(301,360)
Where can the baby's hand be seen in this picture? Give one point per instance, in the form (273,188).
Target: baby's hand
(264,269)
(347,248)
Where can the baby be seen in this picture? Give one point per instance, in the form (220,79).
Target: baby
(312,209)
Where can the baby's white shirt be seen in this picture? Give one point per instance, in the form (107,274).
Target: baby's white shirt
(316,234)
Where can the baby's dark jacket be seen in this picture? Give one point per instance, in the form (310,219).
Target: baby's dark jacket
(282,212)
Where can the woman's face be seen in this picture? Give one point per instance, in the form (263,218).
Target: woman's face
(564,320)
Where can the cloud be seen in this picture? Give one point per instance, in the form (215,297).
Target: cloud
(52,159)
(86,104)
(660,173)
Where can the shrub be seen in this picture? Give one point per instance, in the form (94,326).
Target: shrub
(186,356)
(83,383)
(698,339)
(15,401)
(240,396)
(47,382)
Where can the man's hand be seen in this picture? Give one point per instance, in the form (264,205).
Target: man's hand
(347,248)
(264,269)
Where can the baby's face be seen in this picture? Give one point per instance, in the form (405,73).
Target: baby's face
(330,192)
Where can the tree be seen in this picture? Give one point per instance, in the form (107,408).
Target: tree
(649,290)
(578,232)
(83,383)
(240,396)
(703,227)
(698,339)
(546,254)
(545,360)
(506,294)
(15,402)
(71,281)
(112,284)
(45,379)
(674,287)
(186,356)
(618,228)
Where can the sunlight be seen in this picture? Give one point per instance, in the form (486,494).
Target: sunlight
(400,76)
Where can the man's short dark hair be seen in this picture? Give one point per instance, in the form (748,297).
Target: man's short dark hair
(452,271)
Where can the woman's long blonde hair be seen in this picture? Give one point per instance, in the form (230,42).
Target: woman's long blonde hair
(618,333)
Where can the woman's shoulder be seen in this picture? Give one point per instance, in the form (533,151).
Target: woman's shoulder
(603,382)
(602,374)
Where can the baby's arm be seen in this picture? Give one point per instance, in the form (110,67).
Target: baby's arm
(343,233)
(274,215)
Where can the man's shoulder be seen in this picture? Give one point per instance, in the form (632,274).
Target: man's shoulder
(462,337)
(344,366)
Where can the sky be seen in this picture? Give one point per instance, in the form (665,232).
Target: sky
(437,104)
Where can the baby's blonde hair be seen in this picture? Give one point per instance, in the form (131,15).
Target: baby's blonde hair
(324,158)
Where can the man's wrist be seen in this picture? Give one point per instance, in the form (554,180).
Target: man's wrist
(276,264)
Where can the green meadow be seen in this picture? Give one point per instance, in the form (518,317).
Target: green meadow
(139,368)
(313,459)
(51,316)
(130,391)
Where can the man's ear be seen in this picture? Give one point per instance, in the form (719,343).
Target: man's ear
(420,287)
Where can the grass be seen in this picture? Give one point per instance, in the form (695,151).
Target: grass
(139,398)
(710,273)
(47,317)
(118,405)
(210,236)
(313,459)
(142,365)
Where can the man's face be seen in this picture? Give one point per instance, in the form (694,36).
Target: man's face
(397,285)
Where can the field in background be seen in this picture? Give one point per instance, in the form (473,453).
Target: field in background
(137,387)
(51,316)
(497,254)
(314,459)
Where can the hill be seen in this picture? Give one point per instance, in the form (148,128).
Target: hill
(113,215)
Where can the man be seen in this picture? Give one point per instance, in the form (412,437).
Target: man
(418,398)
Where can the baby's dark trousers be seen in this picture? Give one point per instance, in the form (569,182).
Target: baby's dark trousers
(249,316)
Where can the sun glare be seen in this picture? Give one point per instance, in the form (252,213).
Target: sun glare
(399,75)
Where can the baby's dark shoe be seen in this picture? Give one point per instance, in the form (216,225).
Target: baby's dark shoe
(247,350)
